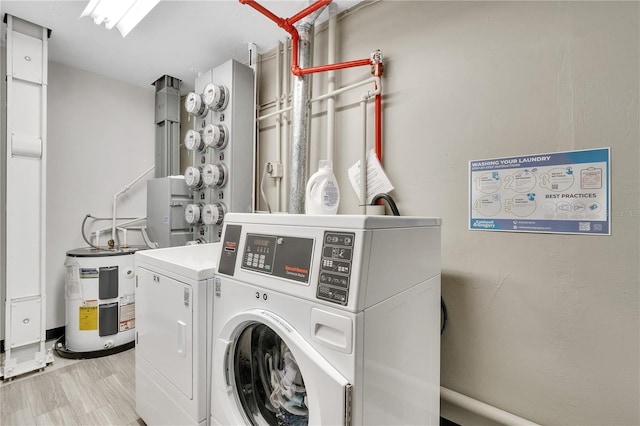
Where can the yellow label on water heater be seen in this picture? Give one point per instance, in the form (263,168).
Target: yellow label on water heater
(88,318)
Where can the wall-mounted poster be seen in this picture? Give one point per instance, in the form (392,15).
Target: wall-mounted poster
(562,192)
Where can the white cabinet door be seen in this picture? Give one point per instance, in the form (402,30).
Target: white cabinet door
(26,325)
(164,321)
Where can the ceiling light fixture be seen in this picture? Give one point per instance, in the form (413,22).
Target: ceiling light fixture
(122,14)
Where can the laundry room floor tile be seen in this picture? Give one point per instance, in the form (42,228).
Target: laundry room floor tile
(98,391)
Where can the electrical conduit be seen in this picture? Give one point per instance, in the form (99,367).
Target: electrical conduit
(331,83)
(375,80)
(278,122)
(363,156)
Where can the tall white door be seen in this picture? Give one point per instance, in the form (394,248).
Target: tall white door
(164,323)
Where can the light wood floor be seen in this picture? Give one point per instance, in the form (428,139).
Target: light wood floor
(98,391)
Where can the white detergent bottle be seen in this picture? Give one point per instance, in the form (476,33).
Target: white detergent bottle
(323,194)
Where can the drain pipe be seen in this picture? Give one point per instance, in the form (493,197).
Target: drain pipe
(300,116)
(285,125)
(482,409)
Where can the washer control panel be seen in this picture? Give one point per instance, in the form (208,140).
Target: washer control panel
(279,255)
(335,267)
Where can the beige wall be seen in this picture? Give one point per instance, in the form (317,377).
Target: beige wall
(543,326)
(101,135)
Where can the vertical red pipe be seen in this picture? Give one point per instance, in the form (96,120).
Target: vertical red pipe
(377,71)
(379,127)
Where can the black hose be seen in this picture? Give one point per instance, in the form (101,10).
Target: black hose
(389,200)
(444,315)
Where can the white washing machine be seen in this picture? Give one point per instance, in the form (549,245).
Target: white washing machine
(174,300)
(327,320)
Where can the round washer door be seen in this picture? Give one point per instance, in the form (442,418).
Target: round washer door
(270,375)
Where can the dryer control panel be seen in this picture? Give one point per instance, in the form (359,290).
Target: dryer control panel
(335,267)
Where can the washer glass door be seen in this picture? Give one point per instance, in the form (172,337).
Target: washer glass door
(269,385)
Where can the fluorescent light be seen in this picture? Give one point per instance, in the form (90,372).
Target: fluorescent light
(122,14)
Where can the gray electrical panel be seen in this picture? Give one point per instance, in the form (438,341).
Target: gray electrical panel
(167,198)
(220,142)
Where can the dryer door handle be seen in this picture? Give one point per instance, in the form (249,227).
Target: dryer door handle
(182,338)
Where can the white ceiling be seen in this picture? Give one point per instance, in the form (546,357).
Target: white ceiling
(178,37)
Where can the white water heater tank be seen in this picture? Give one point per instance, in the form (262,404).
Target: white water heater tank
(100,299)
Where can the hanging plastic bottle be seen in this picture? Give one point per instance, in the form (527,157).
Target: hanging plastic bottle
(323,194)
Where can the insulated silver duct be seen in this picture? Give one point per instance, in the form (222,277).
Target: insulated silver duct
(300,116)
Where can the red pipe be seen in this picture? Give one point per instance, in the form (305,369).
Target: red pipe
(282,23)
(308,10)
(287,25)
(379,127)
(295,39)
(377,71)
(332,67)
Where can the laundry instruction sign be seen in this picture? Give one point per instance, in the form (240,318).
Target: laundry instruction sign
(562,192)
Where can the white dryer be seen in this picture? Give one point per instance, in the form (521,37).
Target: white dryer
(327,320)
(174,298)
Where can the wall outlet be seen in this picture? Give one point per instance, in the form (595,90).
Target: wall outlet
(275,170)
